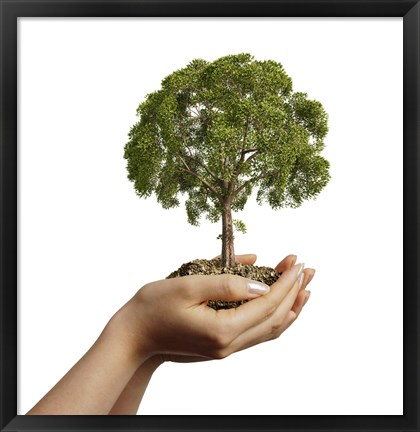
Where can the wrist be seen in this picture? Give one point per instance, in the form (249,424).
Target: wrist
(153,362)
(124,329)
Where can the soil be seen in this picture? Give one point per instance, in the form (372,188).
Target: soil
(263,274)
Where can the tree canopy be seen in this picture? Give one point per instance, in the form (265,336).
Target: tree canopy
(216,131)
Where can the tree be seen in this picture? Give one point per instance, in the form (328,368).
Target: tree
(217,130)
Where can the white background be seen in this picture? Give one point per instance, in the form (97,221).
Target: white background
(87,242)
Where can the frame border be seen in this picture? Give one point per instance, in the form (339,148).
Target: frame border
(10,11)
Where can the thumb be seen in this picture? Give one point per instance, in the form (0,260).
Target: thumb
(226,287)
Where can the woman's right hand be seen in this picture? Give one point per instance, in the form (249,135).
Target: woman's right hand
(171,317)
(291,317)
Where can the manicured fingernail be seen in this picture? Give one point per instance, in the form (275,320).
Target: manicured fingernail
(301,277)
(301,266)
(311,275)
(255,287)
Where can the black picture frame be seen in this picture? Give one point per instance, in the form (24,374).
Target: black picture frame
(10,11)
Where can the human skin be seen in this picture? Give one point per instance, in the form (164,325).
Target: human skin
(129,401)
(169,320)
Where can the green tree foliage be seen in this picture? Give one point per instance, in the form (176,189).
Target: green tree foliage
(216,131)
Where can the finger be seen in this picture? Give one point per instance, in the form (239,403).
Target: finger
(312,275)
(296,309)
(309,275)
(221,287)
(272,327)
(308,294)
(289,320)
(247,259)
(252,313)
(286,263)
(263,332)
(299,302)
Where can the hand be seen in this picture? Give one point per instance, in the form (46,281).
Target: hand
(301,299)
(130,398)
(172,316)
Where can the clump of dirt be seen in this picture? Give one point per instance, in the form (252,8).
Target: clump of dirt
(263,274)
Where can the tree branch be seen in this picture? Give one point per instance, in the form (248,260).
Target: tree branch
(253,155)
(203,181)
(245,151)
(245,133)
(190,155)
(245,184)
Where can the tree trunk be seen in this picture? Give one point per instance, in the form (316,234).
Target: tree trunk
(228,252)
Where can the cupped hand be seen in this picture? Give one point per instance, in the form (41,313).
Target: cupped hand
(171,318)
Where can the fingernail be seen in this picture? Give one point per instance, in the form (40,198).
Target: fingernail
(255,287)
(301,277)
(308,294)
(311,275)
(301,266)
